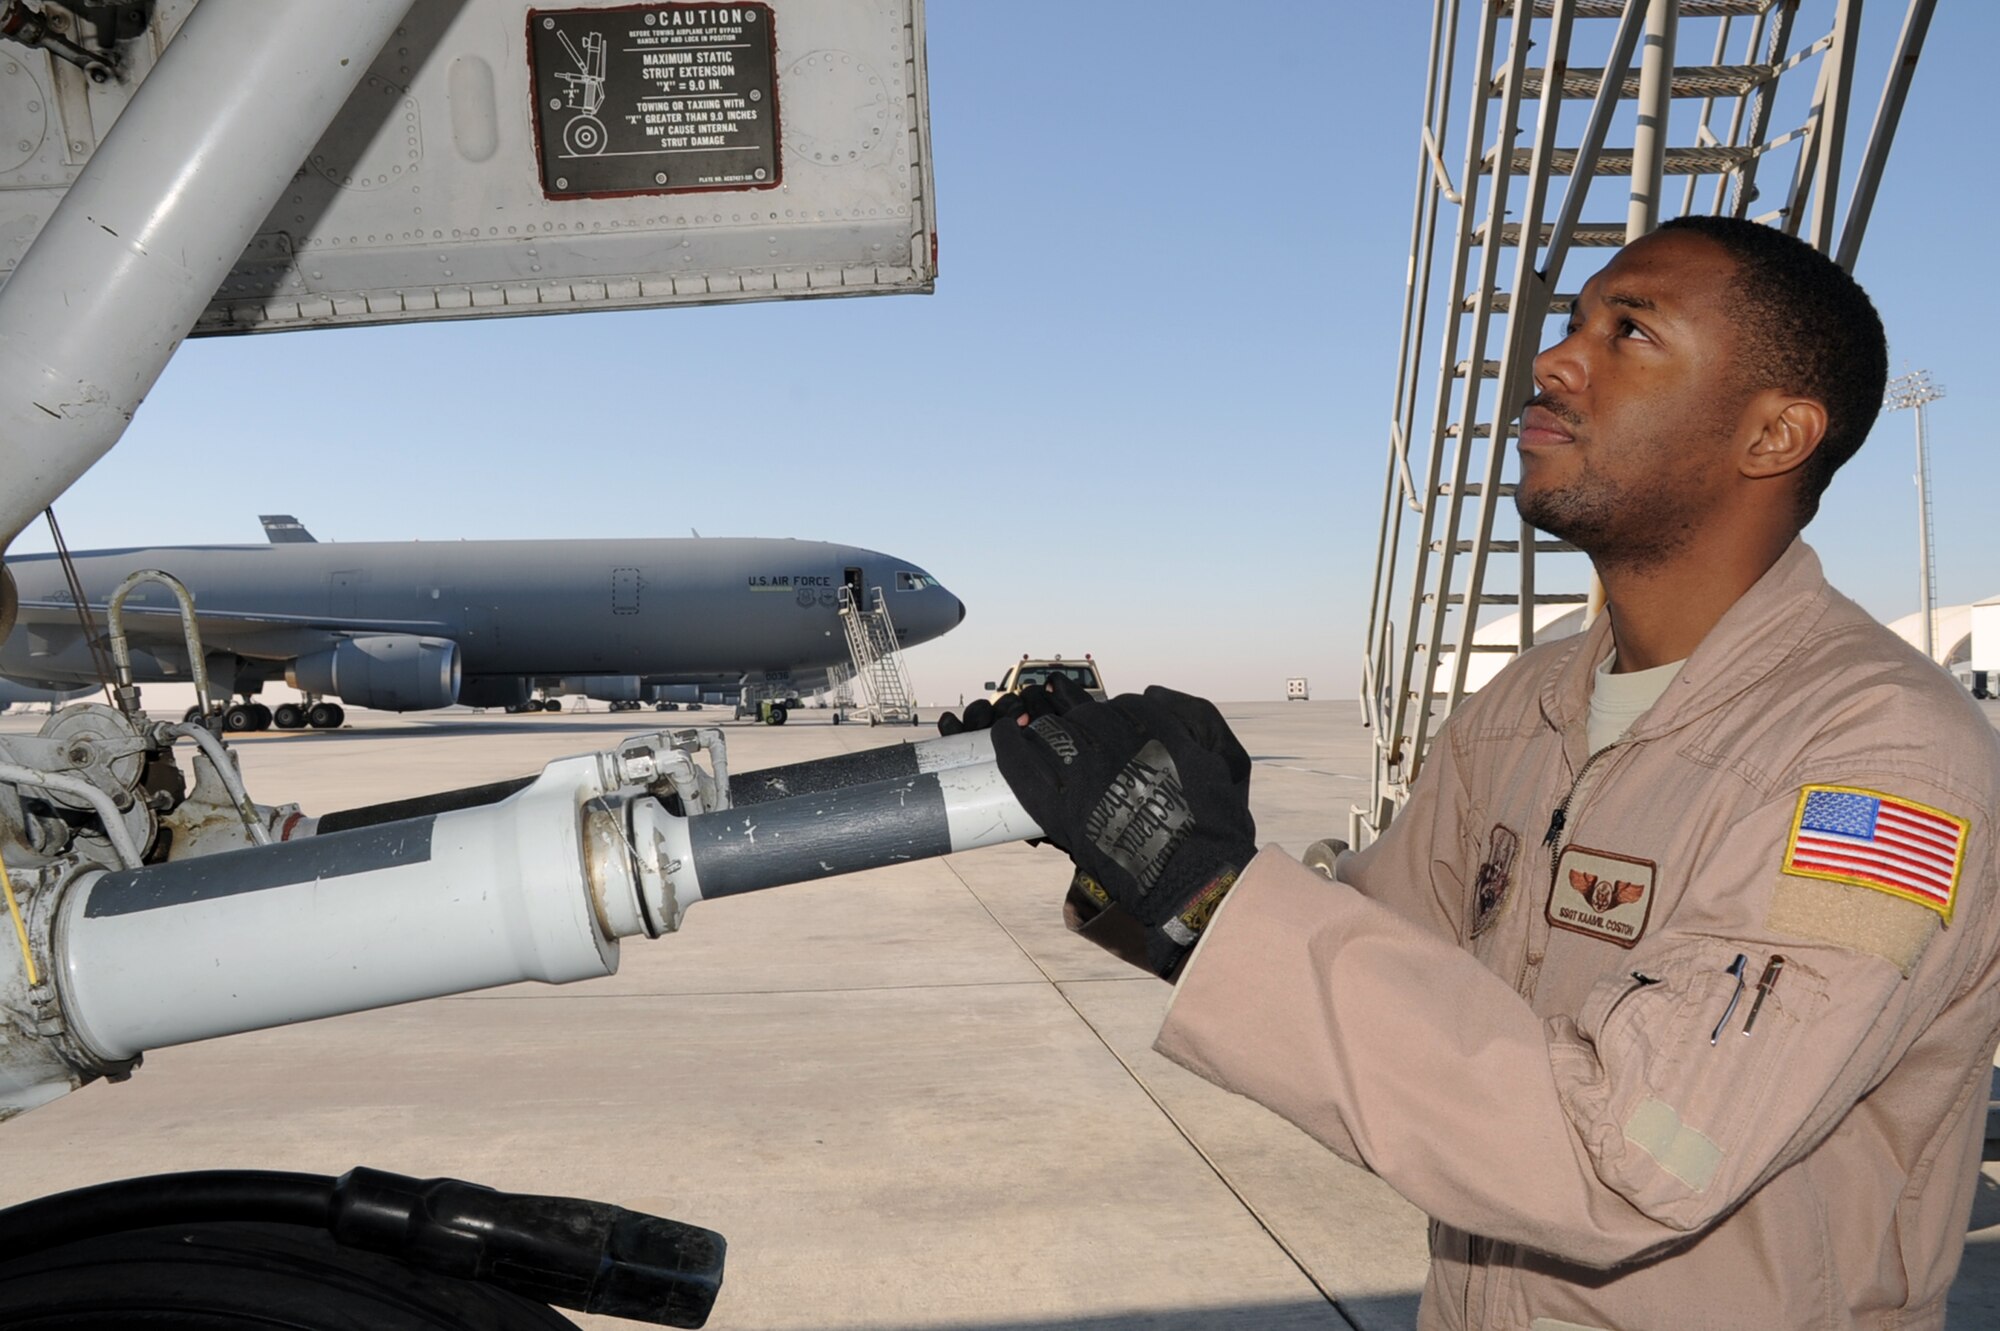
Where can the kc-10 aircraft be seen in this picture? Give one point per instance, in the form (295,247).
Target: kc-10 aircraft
(417,625)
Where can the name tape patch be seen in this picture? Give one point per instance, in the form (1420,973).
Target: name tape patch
(1848,835)
(1603,895)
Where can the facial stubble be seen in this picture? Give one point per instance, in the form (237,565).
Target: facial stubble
(1632,522)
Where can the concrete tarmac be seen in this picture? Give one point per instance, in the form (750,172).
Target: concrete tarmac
(909,1098)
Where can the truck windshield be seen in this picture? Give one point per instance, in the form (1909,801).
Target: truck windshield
(1039,674)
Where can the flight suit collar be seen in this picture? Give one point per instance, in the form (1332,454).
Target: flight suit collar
(1765,626)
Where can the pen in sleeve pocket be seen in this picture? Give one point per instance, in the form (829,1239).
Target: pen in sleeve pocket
(1765,984)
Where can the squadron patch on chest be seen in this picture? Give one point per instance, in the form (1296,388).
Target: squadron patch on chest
(1602,895)
(1495,877)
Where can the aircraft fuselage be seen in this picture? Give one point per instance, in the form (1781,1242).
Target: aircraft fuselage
(699,607)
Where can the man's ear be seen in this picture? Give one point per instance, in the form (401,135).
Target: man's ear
(1786,431)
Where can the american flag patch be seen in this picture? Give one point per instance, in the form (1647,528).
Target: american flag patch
(1874,840)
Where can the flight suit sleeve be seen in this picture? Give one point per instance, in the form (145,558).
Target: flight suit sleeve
(1597,1136)
(1416,867)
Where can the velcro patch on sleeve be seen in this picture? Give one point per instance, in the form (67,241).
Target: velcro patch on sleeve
(1858,919)
(1866,838)
(1655,1127)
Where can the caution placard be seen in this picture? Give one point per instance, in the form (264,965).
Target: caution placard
(654,99)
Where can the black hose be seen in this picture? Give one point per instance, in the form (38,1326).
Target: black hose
(585,1255)
(270,1196)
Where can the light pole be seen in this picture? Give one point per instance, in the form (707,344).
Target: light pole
(1915,390)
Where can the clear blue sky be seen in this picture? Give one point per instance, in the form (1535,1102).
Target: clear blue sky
(1143,416)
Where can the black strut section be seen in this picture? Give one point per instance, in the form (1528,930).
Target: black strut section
(206,877)
(888,763)
(817,836)
(423,806)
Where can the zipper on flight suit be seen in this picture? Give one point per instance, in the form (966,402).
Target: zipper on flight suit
(1555,841)
(1559,820)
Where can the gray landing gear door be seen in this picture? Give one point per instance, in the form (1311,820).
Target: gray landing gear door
(503,159)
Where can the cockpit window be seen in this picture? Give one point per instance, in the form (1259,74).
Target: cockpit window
(910,581)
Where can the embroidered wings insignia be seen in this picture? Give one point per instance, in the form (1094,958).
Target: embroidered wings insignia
(1605,894)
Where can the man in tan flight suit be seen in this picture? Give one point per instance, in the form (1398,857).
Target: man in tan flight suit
(1671,995)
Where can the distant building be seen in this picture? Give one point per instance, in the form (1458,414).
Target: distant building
(1951,632)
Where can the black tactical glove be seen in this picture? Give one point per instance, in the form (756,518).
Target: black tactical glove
(1057,696)
(1150,795)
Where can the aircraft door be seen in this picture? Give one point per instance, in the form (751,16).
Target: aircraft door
(480,637)
(855,588)
(625,585)
(345,588)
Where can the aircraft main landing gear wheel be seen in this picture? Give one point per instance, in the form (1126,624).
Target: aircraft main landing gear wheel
(246,1277)
(238,716)
(289,716)
(325,715)
(261,716)
(552,705)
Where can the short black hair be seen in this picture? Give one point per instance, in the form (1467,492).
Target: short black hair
(1807,328)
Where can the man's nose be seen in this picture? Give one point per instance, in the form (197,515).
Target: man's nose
(1559,367)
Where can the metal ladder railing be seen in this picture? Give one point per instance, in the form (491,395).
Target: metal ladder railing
(1439,564)
(878,658)
(840,687)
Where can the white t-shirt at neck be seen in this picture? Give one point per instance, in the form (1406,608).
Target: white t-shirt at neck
(1616,701)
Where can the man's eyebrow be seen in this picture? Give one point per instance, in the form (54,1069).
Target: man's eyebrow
(1629,301)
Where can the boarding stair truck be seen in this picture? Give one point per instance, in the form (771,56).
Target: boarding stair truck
(877,654)
(212,167)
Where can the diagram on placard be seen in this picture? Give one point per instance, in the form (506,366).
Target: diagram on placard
(583,93)
(655,99)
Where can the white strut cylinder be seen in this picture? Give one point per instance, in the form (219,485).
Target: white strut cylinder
(263,937)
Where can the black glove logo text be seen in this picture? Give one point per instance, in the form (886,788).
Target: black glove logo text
(1059,740)
(1143,816)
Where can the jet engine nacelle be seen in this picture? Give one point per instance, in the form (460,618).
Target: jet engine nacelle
(391,673)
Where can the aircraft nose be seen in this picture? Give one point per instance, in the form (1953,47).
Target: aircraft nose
(961,610)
